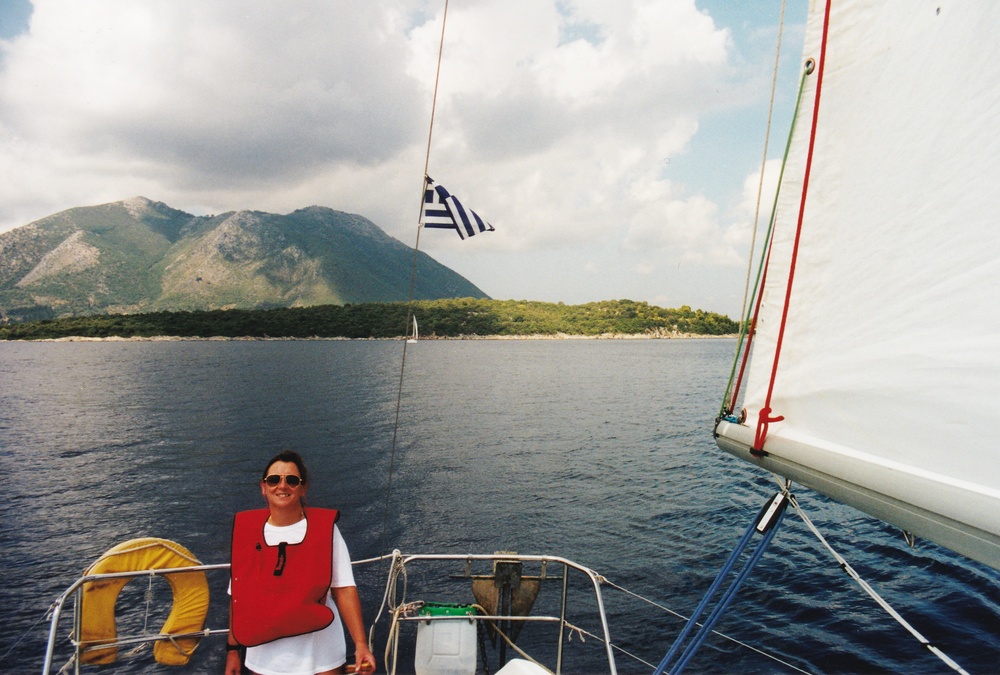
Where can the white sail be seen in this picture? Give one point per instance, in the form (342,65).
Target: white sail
(416,333)
(888,377)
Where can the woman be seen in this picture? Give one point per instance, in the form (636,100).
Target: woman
(292,584)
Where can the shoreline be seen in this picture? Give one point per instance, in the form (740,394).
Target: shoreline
(557,336)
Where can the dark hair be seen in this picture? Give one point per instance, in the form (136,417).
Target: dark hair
(288,456)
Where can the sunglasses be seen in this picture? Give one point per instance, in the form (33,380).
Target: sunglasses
(274,479)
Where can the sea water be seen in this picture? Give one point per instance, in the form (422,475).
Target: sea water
(599,451)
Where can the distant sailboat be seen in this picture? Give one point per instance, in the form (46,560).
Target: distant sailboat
(416,333)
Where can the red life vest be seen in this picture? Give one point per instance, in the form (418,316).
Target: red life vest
(280,591)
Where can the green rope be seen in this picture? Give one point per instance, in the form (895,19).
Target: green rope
(745,324)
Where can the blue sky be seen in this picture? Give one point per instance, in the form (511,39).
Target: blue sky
(614,144)
(14,16)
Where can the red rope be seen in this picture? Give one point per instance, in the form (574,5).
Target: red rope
(765,417)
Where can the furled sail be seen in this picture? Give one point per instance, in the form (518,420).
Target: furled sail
(875,370)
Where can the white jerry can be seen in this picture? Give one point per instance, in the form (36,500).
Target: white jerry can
(446,646)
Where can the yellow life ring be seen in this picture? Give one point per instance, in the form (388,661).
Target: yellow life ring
(97,604)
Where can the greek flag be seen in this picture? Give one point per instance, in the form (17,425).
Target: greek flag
(443,210)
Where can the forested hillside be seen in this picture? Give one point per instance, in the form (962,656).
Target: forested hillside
(464,317)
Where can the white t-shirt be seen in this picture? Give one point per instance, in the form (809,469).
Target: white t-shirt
(315,652)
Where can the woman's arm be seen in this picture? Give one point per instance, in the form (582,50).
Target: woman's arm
(233,662)
(349,605)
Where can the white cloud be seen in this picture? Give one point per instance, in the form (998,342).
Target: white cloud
(752,214)
(193,96)
(554,117)
(202,86)
(644,267)
(553,135)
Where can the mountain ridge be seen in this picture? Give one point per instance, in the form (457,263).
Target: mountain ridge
(139,255)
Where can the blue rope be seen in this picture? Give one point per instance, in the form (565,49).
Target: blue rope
(692,622)
(727,597)
(709,624)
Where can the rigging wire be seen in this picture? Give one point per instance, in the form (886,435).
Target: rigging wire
(871,591)
(44,617)
(413,281)
(749,321)
(745,327)
(763,159)
(680,616)
(391,604)
(766,415)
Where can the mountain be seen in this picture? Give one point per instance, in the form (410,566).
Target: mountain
(138,255)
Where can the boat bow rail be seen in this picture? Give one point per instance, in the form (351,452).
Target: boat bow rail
(502,613)
(507,573)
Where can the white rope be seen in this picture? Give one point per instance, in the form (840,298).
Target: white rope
(397,568)
(875,596)
(392,641)
(138,649)
(496,628)
(389,595)
(69,664)
(160,543)
(177,645)
(149,602)
(763,161)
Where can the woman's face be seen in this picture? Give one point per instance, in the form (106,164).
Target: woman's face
(282,495)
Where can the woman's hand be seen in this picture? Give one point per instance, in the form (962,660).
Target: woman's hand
(233,663)
(349,605)
(364,659)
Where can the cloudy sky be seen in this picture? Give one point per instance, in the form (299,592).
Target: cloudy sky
(615,145)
